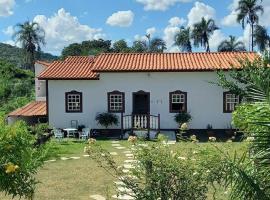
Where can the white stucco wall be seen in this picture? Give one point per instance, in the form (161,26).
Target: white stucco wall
(204,100)
(40,85)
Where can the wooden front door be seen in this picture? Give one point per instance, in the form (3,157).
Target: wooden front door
(141,102)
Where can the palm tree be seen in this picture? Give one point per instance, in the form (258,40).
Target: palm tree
(31,36)
(248,13)
(261,38)
(183,39)
(231,45)
(151,45)
(202,32)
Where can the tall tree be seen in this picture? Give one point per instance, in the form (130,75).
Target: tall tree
(248,11)
(139,46)
(261,38)
(202,32)
(157,45)
(120,46)
(31,36)
(231,45)
(183,39)
(74,49)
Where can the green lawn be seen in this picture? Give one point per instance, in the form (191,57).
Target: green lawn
(78,179)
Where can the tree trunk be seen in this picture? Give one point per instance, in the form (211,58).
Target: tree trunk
(207,48)
(252,37)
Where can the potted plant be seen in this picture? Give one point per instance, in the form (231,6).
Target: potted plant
(182,118)
(107,119)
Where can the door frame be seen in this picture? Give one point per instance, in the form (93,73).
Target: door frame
(141,92)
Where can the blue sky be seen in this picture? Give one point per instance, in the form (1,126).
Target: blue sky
(68,21)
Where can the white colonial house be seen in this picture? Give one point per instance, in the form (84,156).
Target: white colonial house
(141,88)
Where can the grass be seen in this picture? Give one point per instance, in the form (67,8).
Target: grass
(78,179)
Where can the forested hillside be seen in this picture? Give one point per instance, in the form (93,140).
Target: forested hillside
(14,55)
(16,87)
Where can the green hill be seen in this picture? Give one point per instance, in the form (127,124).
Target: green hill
(15,55)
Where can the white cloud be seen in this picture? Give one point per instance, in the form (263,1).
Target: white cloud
(198,11)
(230,20)
(176,21)
(170,31)
(121,18)
(216,39)
(246,38)
(63,29)
(9,31)
(6,7)
(151,31)
(160,4)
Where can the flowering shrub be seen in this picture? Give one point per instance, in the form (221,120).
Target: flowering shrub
(212,139)
(132,139)
(19,160)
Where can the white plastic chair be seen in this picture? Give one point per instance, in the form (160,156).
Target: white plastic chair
(58,134)
(85,134)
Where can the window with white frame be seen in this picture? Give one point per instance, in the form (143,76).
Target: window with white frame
(230,101)
(116,101)
(178,101)
(73,101)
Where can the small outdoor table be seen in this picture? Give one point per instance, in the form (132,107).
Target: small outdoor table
(70,131)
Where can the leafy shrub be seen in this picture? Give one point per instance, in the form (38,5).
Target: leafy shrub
(182,117)
(107,119)
(19,160)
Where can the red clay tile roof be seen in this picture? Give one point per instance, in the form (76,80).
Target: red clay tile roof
(74,67)
(45,63)
(140,62)
(36,108)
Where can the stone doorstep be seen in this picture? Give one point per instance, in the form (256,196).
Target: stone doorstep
(97,197)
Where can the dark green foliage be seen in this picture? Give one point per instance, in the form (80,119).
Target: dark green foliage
(202,32)
(139,46)
(231,45)
(261,38)
(19,160)
(86,48)
(120,46)
(107,119)
(182,117)
(31,36)
(14,55)
(183,39)
(248,12)
(16,87)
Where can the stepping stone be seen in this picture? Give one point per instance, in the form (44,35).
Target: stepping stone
(120,147)
(75,158)
(116,145)
(123,197)
(130,161)
(113,153)
(86,155)
(127,152)
(115,141)
(64,158)
(124,189)
(119,183)
(129,155)
(50,161)
(143,145)
(125,170)
(103,154)
(133,149)
(97,197)
(128,166)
